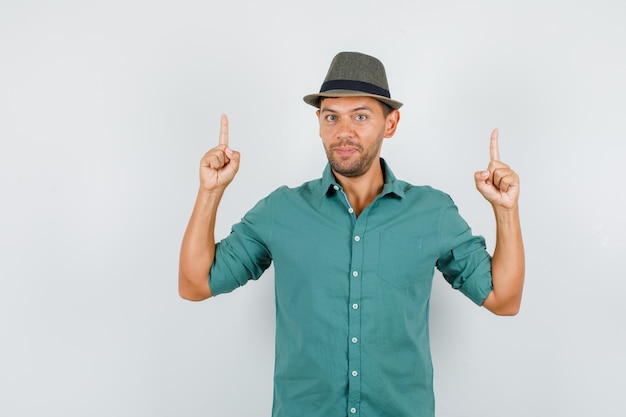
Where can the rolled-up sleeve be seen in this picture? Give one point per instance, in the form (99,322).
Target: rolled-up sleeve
(464,260)
(244,254)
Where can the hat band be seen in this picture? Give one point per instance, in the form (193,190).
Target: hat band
(355,86)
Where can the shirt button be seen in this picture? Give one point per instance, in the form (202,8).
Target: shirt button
(357,238)
(353,410)
(336,188)
(350,210)
(355,274)
(355,306)
(355,373)
(354,340)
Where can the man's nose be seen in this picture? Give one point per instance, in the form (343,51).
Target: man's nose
(345,129)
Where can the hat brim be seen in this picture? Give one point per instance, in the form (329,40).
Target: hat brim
(314,99)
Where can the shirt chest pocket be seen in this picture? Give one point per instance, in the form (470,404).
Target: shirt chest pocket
(401,261)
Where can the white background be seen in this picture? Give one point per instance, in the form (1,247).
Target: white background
(107,107)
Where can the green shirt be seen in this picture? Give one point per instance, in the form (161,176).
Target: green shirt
(352,294)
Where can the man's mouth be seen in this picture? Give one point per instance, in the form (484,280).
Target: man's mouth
(345,150)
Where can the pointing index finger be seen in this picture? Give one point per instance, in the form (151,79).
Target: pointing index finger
(494,152)
(224,130)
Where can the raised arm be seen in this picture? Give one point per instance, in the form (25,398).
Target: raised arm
(499,184)
(217,169)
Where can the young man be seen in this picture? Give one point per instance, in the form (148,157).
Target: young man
(354,254)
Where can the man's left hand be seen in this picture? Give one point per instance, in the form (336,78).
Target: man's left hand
(499,184)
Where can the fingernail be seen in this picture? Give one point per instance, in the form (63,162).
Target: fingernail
(229,152)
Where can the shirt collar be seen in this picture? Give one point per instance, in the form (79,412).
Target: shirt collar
(392,185)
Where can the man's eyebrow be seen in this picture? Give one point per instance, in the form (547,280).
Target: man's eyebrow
(357,109)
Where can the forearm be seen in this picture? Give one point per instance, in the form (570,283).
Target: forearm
(198,248)
(508,264)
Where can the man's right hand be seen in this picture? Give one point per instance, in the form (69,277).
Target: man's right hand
(219,165)
(217,169)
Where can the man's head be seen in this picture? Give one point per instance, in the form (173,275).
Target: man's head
(355,113)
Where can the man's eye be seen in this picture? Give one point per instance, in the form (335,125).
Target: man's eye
(361,117)
(331,117)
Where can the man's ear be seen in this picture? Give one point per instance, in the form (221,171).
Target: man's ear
(393,118)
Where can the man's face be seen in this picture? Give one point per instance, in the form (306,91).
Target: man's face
(352,130)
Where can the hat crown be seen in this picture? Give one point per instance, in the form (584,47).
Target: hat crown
(355,66)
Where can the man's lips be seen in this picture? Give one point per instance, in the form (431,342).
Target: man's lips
(345,150)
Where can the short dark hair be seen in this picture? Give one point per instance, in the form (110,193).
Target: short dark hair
(386,108)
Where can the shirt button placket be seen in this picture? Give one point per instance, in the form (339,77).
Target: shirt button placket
(354,348)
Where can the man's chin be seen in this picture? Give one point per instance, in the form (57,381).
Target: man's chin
(348,170)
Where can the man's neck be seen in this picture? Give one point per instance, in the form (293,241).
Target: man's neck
(362,190)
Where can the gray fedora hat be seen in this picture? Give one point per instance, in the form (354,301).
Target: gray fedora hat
(354,74)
